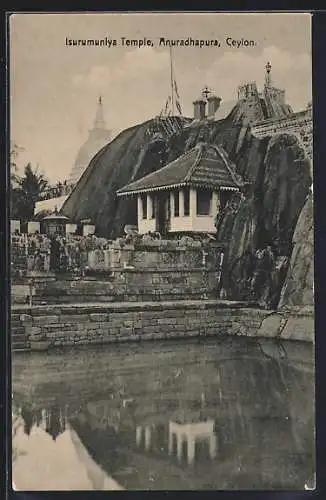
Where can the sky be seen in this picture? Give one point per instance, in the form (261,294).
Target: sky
(54,87)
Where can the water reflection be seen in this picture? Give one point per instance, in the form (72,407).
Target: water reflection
(178,415)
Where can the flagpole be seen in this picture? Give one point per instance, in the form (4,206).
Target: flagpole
(172,87)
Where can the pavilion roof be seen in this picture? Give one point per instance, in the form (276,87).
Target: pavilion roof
(205,165)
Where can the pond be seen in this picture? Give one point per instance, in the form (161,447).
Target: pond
(176,415)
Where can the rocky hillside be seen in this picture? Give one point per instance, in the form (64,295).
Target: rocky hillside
(298,285)
(278,179)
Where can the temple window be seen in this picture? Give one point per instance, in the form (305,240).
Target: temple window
(144,206)
(176,203)
(186,194)
(204,202)
(153,206)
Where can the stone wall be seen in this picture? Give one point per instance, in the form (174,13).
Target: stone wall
(300,124)
(125,285)
(76,325)
(159,254)
(79,254)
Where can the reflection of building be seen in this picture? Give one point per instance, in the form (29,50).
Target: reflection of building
(186,195)
(249,397)
(53,421)
(41,464)
(192,434)
(150,437)
(98,137)
(144,435)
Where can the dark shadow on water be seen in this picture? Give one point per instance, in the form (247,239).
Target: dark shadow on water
(215,414)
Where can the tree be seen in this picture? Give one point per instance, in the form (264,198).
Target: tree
(16,195)
(27,193)
(14,153)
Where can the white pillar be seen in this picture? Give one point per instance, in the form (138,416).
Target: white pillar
(179,446)
(14,225)
(138,435)
(212,446)
(193,203)
(71,228)
(139,208)
(33,227)
(191,449)
(107,259)
(148,435)
(167,208)
(172,204)
(170,443)
(149,206)
(92,259)
(215,204)
(88,229)
(181,203)
(43,422)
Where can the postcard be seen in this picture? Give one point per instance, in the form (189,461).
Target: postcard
(162,251)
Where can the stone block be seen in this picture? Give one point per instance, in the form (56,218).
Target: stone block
(33,227)
(26,318)
(88,229)
(125,331)
(68,334)
(57,327)
(151,329)
(47,310)
(148,336)
(45,320)
(118,317)
(128,323)
(74,318)
(299,328)
(52,334)
(33,330)
(14,226)
(98,317)
(165,321)
(137,324)
(112,332)
(270,326)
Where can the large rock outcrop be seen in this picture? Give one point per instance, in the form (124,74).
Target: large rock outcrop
(266,215)
(277,179)
(299,282)
(130,155)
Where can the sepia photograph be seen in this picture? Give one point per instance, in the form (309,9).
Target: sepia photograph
(161,251)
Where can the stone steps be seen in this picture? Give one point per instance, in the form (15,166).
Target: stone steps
(18,336)
(90,299)
(15,323)
(18,332)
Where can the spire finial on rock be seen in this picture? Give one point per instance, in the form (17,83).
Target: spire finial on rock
(99,121)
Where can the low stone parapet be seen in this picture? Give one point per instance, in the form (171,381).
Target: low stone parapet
(124,285)
(290,324)
(120,322)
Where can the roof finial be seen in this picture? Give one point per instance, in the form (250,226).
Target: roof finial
(268,79)
(99,121)
(206,91)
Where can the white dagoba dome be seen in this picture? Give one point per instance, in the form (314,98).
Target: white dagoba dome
(98,137)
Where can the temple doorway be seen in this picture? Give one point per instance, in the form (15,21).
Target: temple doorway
(163,213)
